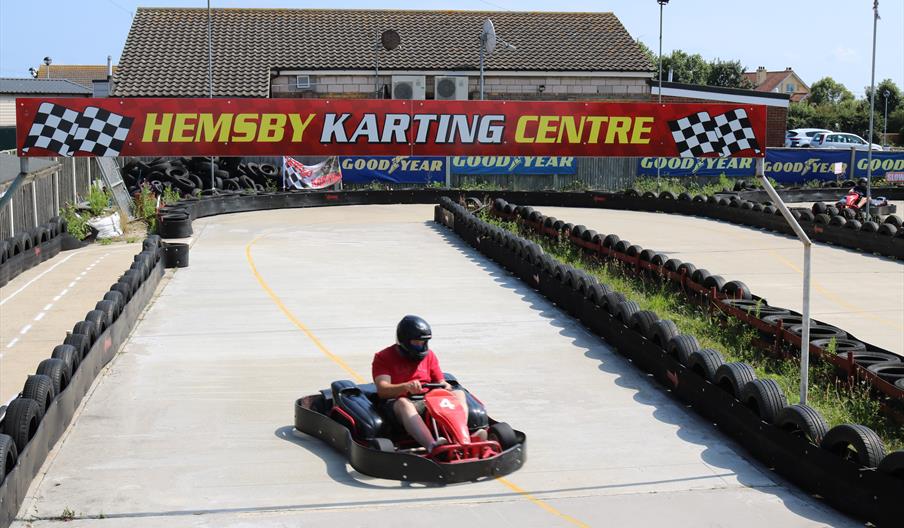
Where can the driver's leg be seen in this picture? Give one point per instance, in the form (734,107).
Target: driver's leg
(463,401)
(412,422)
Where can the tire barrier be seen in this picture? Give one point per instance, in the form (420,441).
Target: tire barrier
(175,255)
(846,465)
(192,176)
(780,328)
(30,248)
(33,422)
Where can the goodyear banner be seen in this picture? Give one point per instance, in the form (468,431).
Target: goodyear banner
(320,127)
(393,169)
(784,165)
(513,164)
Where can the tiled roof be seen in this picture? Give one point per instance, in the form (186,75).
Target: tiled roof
(79,74)
(166,50)
(773,79)
(29,86)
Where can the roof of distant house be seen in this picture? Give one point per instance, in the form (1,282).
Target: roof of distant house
(166,50)
(82,74)
(26,86)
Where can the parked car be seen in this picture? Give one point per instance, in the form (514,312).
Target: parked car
(840,140)
(800,137)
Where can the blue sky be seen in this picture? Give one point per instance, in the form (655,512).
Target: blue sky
(817,38)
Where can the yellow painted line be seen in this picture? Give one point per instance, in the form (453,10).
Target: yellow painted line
(836,298)
(358,379)
(336,359)
(512,486)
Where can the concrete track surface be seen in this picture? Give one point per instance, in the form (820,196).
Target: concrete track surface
(191,424)
(860,293)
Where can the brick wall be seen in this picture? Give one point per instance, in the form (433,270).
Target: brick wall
(776,118)
(508,88)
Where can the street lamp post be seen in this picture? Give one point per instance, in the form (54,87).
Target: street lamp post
(872,106)
(662,3)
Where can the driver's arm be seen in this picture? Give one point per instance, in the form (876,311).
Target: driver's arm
(386,389)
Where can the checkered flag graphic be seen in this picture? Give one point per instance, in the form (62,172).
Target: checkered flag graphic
(53,129)
(735,131)
(101,132)
(695,135)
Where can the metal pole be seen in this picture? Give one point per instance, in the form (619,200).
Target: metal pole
(376,70)
(482,46)
(872,102)
(805,338)
(853,161)
(210,82)
(885,123)
(661,5)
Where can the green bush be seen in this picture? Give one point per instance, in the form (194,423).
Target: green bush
(98,200)
(75,224)
(171,196)
(146,207)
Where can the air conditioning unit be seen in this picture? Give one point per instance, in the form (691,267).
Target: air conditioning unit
(448,88)
(409,87)
(303,81)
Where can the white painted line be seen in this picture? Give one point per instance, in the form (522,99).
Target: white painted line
(82,274)
(48,306)
(40,316)
(71,284)
(57,298)
(13,342)
(64,292)
(25,329)
(29,283)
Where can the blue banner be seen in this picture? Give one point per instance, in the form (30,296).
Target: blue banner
(393,169)
(783,165)
(514,165)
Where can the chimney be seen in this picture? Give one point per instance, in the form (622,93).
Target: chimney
(760,75)
(109,67)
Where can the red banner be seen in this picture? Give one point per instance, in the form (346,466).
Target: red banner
(278,127)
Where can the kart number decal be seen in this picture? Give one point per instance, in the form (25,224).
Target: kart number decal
(446,403)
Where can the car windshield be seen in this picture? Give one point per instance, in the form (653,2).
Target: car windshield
(813,133)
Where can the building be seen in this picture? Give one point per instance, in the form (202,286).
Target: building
(331,53)
(10,89)
(784,82)
(95,77)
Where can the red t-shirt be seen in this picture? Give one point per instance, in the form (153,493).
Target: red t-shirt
(389,362)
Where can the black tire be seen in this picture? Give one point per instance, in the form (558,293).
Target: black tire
(819,331)
(117,298)
(682,346)
(804,421)
(894,220)
(856,443)
(99,318)
(625,310)
(888,230)
(633,250)
(699,198)
(893,464)
(610,241)
(659,259)
(123,288)
(8,456)
(672,264)
(765,398)
(714,281)
(611,302)
(55,369)
(700,276)
(842,346)
(382,444)
(504,434)
(688,268)
(69,355)
(578,231)
(869,227)
(108,308)
(662,332)
(733,377)
(81,342)
(642,321)
(21,421)
(806,216)
(900,384)
(890,372)
(837,221)
(819,208)
(853,224)
(650,195)
(596,294)
(39,387)
(705,362)
(647,255)
(87,328)
(736,290)
(621,246)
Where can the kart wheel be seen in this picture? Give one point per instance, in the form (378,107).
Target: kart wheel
(382,444)
(504,434)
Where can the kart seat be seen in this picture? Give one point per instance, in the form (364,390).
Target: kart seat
(355,402)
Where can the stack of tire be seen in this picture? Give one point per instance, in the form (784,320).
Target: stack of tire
(192,176)
(27,241)
(23,415)
(830,215)
(857,443)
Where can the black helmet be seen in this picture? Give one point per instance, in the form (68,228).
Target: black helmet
(409,328)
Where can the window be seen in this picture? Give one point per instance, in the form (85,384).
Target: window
(789,88)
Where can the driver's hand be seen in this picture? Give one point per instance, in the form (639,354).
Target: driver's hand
(414,387)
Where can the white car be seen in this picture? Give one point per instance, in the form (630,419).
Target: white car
(840,140)
(800,137)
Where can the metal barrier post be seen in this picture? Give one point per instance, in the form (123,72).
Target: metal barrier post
(805,338)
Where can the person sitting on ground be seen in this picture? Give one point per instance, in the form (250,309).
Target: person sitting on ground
(400,370)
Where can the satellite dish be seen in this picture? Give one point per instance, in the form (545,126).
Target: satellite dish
(390,39)
(488,36)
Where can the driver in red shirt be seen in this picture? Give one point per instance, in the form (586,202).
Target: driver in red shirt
(400,369)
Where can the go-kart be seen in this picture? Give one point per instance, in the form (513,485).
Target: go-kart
(349,417)
(851,201)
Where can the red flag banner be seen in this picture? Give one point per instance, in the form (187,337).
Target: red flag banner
(320,127)
(299,176)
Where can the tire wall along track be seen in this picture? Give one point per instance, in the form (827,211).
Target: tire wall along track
(864,492)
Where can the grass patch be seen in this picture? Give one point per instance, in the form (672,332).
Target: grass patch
(836,400)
